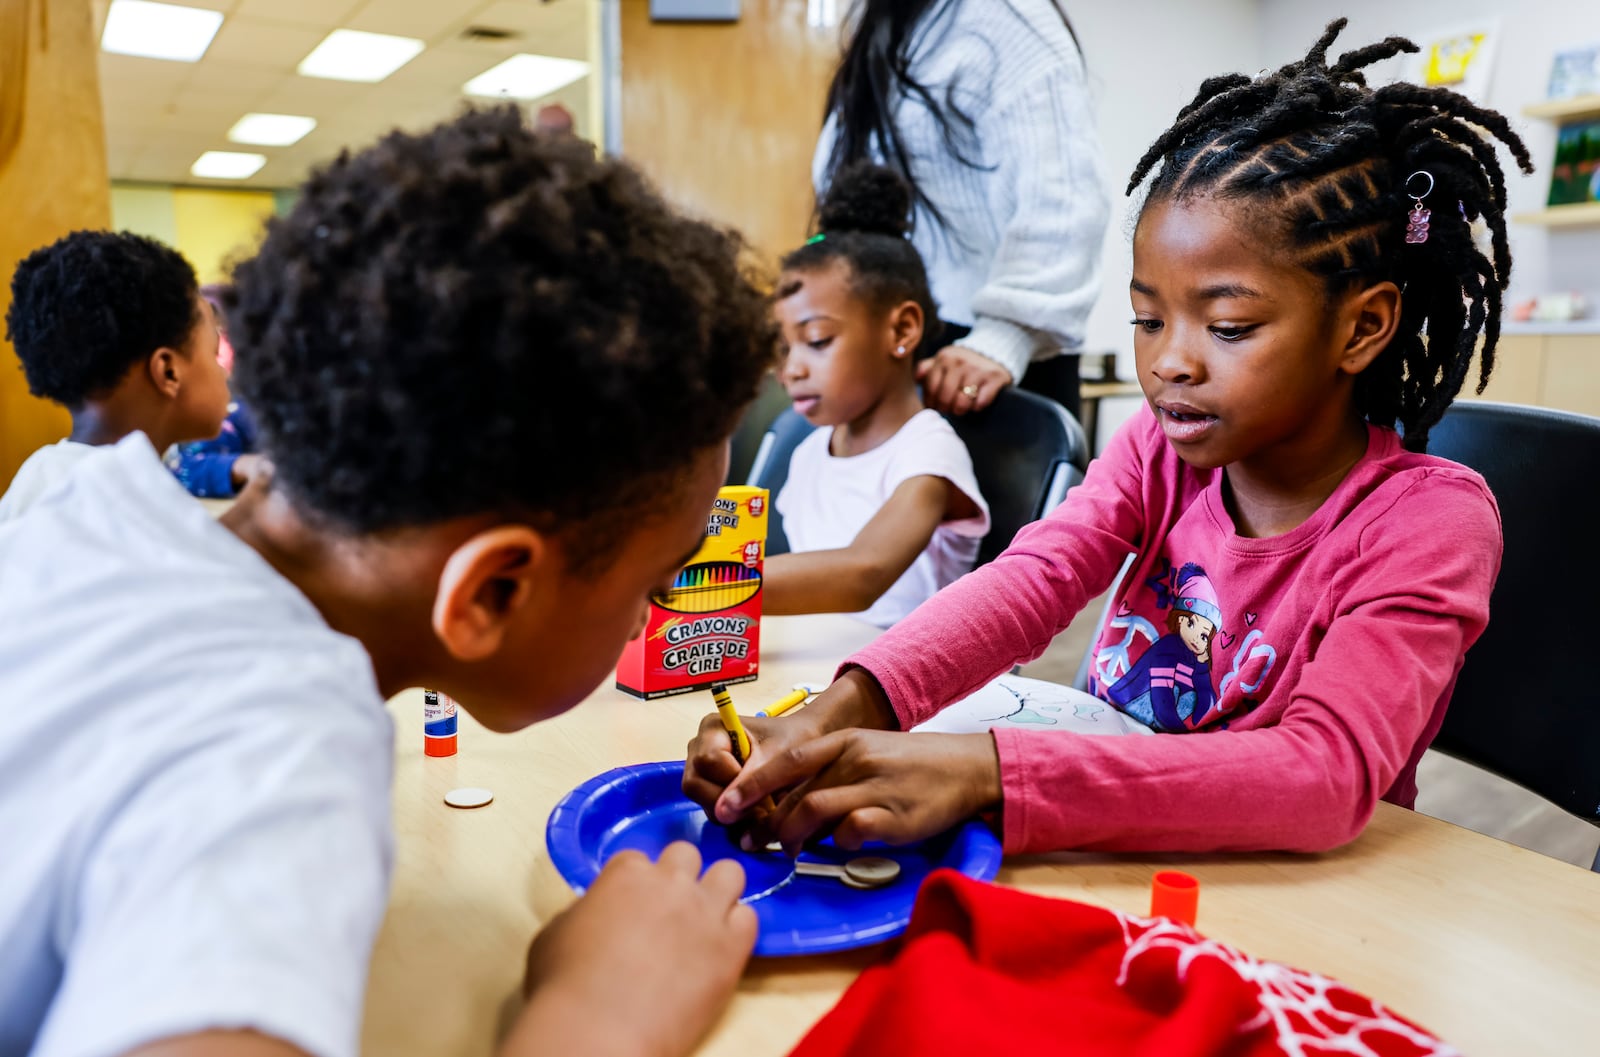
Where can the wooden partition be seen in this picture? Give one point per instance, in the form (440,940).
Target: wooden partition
(52,175)
(724,116)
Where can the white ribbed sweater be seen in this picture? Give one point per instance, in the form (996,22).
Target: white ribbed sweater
(1020,262)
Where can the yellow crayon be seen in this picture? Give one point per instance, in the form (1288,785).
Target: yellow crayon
(730,723)
(736,733)
(786,702)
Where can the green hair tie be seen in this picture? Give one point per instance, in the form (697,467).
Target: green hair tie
(818,237)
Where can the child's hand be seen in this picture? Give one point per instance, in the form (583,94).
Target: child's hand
(244,468)
(710,765)
(870,785)
(641,965)
(854,700)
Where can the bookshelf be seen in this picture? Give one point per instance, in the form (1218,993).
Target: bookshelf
(1583,214)
(1560,112)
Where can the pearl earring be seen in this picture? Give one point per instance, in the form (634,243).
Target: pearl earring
(900,350)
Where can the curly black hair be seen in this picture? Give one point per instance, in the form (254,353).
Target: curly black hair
(482,318)
(865,220)
(1329,159)
(89,306)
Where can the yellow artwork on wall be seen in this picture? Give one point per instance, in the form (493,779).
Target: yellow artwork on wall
(1448,58)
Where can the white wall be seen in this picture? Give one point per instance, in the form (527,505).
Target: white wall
(1146,58)
(1531,31)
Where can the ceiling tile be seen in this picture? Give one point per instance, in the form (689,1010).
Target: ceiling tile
(146,78)
(512,14)
(427,20)
(120,159)
(326,15)
(231,81)
(440,71)
(253,44)
(313,96)
(160,116)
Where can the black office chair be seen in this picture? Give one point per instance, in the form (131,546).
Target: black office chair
(1526,706)
(1026,452)
(770,469)
(770,402)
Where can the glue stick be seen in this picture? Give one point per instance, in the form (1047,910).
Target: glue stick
(438,724)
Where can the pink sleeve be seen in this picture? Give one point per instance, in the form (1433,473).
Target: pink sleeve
(1403,613)
(1007,612)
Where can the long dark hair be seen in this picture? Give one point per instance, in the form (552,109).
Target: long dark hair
(874,73)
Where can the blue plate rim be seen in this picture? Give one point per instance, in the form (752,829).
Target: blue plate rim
(978,849)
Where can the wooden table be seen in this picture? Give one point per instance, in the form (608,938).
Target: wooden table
(1495,948)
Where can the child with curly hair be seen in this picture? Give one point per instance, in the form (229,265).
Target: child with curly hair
(495,378)
(111,326)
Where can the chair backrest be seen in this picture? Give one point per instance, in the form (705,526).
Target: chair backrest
(1027,450)
(770,469)
(1527,705)
(771,401)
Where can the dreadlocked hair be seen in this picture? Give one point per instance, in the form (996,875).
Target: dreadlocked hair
(866,222)
(1328,160)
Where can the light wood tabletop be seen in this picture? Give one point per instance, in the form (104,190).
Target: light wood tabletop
(1494,948)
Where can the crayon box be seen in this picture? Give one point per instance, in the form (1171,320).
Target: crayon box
(707,628)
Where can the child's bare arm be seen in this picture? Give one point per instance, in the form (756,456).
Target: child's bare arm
(850,579)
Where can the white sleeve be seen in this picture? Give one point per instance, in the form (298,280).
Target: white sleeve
(1045,275)
(241,887)
(929,447)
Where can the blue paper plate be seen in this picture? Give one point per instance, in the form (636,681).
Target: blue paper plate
(643,807)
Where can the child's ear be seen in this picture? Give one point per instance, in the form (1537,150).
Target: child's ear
(1373,314)
(905,326)
(485,582)
(166,371)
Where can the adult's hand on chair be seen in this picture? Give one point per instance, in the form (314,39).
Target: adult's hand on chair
(956,380)
(868,785)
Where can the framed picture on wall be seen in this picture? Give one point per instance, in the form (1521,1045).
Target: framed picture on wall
(1459,57)
(1575,173)
(1575,72)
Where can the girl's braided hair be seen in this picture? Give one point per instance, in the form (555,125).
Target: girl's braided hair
(1329,160)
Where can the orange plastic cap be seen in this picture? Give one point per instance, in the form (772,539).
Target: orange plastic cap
(1174,895)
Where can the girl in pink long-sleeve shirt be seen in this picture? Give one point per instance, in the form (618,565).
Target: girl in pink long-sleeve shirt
(1305,583)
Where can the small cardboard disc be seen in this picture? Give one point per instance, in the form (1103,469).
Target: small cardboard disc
(470,796)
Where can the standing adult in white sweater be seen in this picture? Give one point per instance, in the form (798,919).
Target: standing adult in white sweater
(983,106)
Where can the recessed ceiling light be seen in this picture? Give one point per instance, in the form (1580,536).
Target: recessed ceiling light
(159,31)
(355,55)
(227,164)
(271,130)
(526,77)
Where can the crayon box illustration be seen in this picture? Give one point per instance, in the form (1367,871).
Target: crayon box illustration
(707,628)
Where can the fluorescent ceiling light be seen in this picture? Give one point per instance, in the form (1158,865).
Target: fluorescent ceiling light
(271,130)
(527,77)
(159,31)
(227,164)
(354,55)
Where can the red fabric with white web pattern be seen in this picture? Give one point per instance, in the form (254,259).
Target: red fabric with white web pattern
(985,969)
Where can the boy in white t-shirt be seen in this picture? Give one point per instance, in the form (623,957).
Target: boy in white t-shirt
(882,509)
(111,326)
(468,351)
